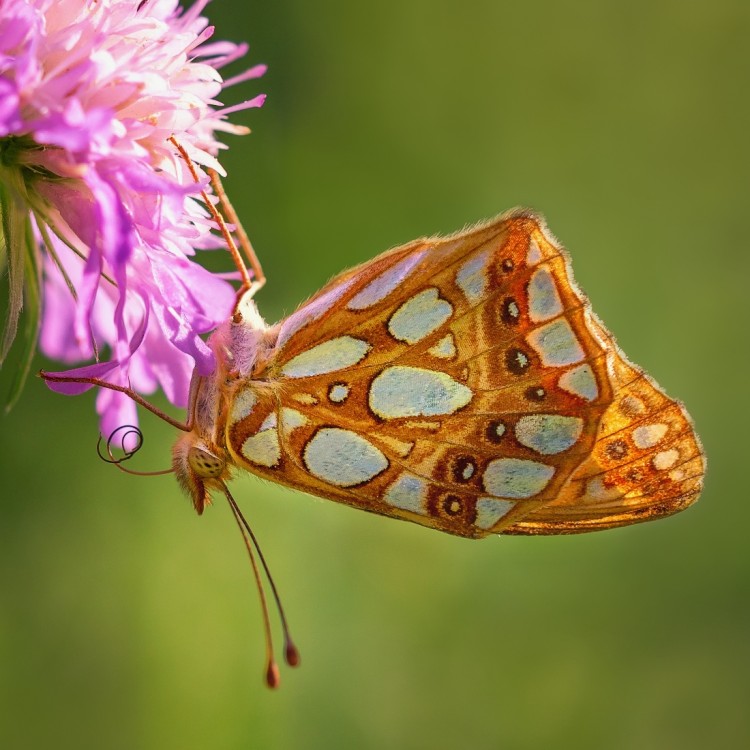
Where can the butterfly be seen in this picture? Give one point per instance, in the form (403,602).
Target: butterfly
(462,383)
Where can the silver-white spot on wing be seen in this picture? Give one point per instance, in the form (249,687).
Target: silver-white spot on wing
(516,478)
(388,281)
(580,381)
(342,457)
(598,492)
(243,405)
(330,356)
(544,301)
(291,419)
(649,435)
(445,348)
(408,492)
(263,448)
(471,278)
(338,393)
(419,316)
(534,254)
(548,433)
(490,510)
(665,459)
(556,344)
(415,392)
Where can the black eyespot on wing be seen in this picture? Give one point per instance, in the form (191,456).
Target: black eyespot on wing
(535,393)
(517,361)
(495,431)
(510,312)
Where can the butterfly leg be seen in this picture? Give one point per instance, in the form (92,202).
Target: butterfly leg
(259,278)
(247,283)
(49,377)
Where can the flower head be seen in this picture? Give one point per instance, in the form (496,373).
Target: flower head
(100,221)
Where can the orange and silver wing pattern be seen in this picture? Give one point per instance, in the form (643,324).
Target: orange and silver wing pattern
(458,383)
(647,462)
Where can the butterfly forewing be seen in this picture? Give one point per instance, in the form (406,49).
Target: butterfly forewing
(458,383)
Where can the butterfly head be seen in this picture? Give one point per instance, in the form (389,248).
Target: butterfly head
(199,467)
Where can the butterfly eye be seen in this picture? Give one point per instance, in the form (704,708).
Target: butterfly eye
(205,464)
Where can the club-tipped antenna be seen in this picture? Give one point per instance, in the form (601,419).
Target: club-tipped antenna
(291,654)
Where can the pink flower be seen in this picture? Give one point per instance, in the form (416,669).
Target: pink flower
(94,197)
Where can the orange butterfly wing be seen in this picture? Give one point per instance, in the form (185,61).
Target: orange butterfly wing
(460,383)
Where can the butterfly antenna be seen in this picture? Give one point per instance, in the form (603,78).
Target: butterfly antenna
(291,653)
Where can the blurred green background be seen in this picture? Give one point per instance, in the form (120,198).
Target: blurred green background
(128,622)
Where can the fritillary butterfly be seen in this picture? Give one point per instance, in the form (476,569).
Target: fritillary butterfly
(461,383)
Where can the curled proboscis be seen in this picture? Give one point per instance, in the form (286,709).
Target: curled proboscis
(119,440)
